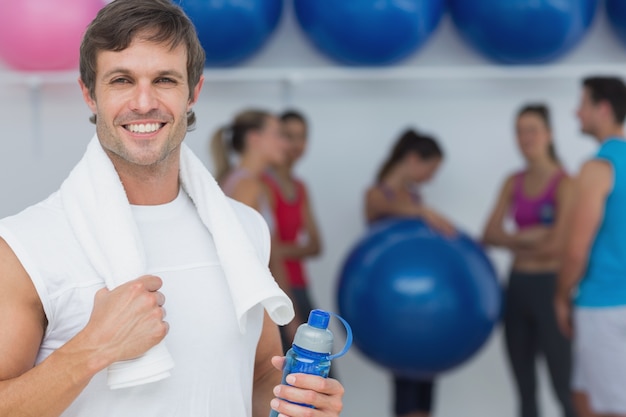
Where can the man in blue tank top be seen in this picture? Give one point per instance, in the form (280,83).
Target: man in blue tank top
(594,270)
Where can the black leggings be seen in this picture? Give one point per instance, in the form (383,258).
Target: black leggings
(531,329)
(413,395)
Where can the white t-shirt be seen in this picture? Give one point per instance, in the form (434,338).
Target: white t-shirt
(214,361)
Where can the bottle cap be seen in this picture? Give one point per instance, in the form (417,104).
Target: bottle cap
(319,319)
(314,335)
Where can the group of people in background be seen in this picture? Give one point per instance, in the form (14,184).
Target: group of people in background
(568,241)
(566,295)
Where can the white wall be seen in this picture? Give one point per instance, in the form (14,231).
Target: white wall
(353,126)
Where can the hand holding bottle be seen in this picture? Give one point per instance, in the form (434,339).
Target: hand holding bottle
(324,394)
(305,370)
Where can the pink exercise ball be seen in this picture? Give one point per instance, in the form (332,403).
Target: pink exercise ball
(44,35)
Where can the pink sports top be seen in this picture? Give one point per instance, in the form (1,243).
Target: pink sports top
(539,210)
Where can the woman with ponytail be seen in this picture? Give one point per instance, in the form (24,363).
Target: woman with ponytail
(536,199)
(413,161)
(255,137)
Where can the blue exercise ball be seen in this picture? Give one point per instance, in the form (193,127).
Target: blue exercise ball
(523,31)
(616,10)
(419,303)
(231,31)
(368,32)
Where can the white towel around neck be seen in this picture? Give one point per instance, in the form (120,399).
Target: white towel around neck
(101,218)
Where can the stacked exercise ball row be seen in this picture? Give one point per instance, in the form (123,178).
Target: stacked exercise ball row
(45,34)
(383,32)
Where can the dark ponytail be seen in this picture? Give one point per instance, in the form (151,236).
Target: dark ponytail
(410,142)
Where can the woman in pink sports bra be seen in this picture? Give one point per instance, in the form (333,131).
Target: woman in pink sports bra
(536,199)
(256,137)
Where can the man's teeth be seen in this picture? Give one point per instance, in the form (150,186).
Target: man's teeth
(144,127)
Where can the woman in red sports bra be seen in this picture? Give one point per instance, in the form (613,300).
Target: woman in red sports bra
(297,234)
(536,199)
(414,160)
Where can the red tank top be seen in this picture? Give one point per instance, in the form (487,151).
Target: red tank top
(289,225)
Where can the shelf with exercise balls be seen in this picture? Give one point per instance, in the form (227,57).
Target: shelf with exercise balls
(40,35)
(616,11)
(419,303)
(232,31)
(523,31)
(368,32)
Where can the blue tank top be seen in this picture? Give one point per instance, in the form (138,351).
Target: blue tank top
(604,281)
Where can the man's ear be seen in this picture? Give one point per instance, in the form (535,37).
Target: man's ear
(91,103)
(196,93)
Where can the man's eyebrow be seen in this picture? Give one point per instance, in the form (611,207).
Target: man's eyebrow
(171,73)
(124,71)
(113,71)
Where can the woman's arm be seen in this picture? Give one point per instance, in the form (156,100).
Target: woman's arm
(377,205)
(495,234)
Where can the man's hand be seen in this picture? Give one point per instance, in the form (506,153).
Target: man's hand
(325,394)
(563,311)
(128,320)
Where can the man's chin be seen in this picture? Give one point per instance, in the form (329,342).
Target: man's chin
(586,132)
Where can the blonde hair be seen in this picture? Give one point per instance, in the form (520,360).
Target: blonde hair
(233,138)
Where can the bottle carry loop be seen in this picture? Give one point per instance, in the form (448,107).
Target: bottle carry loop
(348,336)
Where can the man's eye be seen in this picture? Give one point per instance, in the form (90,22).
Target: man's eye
(166,81)
(119,81)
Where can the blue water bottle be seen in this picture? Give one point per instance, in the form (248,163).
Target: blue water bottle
(312,346)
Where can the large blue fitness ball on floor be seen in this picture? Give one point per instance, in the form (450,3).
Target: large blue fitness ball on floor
(418,303)
(523,31)
(616,10)
(368,32)
(231,31)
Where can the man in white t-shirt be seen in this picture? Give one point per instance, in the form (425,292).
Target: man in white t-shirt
(141,73)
